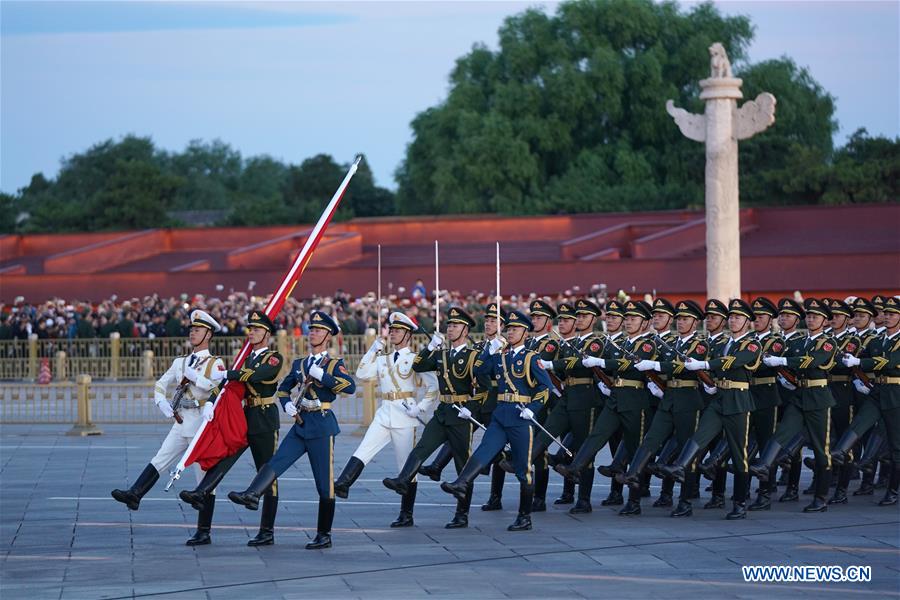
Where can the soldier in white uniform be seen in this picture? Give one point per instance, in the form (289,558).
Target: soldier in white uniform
(405,396)
(181,394)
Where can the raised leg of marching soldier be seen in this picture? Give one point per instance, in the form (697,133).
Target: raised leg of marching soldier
(437,466)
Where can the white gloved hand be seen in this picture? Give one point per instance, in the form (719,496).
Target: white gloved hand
(785,383)
(692,364)
(290,408)
(527,414)
(437,340)
(377,346)
(208,411)
(593,361)
(464,412)
(775,361)
(850,361)
(710,389)
(647,365)
(190,373)
(654,389)
(604,389)
(311,403)
(413,410)
(316,372)
(861,387)
(495,346)
(547,364)
(165,409)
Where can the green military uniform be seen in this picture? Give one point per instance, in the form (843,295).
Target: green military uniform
(729,411)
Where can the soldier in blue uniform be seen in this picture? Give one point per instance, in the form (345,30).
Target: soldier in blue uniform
(523,388)
(321,378)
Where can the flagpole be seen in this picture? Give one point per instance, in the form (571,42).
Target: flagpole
(437,290)
(276,302)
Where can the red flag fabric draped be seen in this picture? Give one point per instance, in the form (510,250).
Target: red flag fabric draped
(227,432)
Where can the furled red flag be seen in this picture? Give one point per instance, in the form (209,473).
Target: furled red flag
(227,432)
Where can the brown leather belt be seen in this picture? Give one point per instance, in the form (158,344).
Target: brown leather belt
(259,401)
(454,398)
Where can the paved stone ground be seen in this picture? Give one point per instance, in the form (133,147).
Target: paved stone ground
(64,537)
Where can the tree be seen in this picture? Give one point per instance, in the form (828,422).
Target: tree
(568,115)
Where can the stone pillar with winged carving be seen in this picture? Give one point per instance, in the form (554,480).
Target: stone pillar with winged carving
(720,128)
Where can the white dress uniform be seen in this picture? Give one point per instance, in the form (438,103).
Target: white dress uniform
(398,387)
(210,372)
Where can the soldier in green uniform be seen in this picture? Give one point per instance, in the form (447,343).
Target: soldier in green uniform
(884,362)
(663,316)
(730,408)
(259,374)
(681,403)
(764,389)
(627,402)
(576,409)
(864,312)
(451,421)
(812,413)
(839,380)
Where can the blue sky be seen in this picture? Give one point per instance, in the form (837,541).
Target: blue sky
(293,79)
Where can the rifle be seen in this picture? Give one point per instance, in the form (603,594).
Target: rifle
(597,371)
(180,391)
(305,388)
(652,376)
(701,375)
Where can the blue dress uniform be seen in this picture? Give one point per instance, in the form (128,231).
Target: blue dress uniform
(312,433)
(521,383)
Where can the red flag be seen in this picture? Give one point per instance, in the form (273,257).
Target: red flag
(227,432)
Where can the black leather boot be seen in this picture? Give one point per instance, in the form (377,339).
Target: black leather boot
(498,476)
(791,494)
(461,517)
(260,484)
(198,496)
(677,469)
(632,508)
(738,511)
(822,485)
(401,482)
(884,472)
(572,471)
(871,451)
(760,467)
(583,506)
(323,528)
(841,452)
(684,509)
(638,464)
(201,537)
(352,470)
(541,481)
(618,464)
(615,497)
(266,534)
(460,487)
(434,470)
(132,496)
(843,482)
(763,500)
(716,459)
(407,502)
(568,492)
(716,501)
(665,456)
(890,496)
(526,499)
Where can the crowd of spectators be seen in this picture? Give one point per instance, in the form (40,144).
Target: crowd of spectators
(153,317)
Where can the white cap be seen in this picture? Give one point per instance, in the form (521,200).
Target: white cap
(201,318)
(398,319)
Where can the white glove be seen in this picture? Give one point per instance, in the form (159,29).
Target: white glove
(850,361)
(190,373)
(495,346)
(310,403)
(775,361)
(692,364)
(165,409)
(413,410)
(316,372)
(654,389)
(437,340)
(861,387)
(593,361)
(547,364)
(377,346)
(208,410)
(785,383)
(604,389)
(710,389)
(647,365)
(527,414)
(290,408)
(464,413)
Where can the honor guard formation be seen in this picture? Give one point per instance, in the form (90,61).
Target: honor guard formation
(678,391)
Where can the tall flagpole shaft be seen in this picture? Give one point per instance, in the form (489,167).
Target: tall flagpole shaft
(378,331)
(499,297)
(437,290)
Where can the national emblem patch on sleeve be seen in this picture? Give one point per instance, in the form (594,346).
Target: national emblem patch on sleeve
(595,347)
(274,361)
(827,347)
(851,347)
(752,347)
(701,349)
(551,348)
(342,369)
(647,347)
(221,367)
(776,347)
